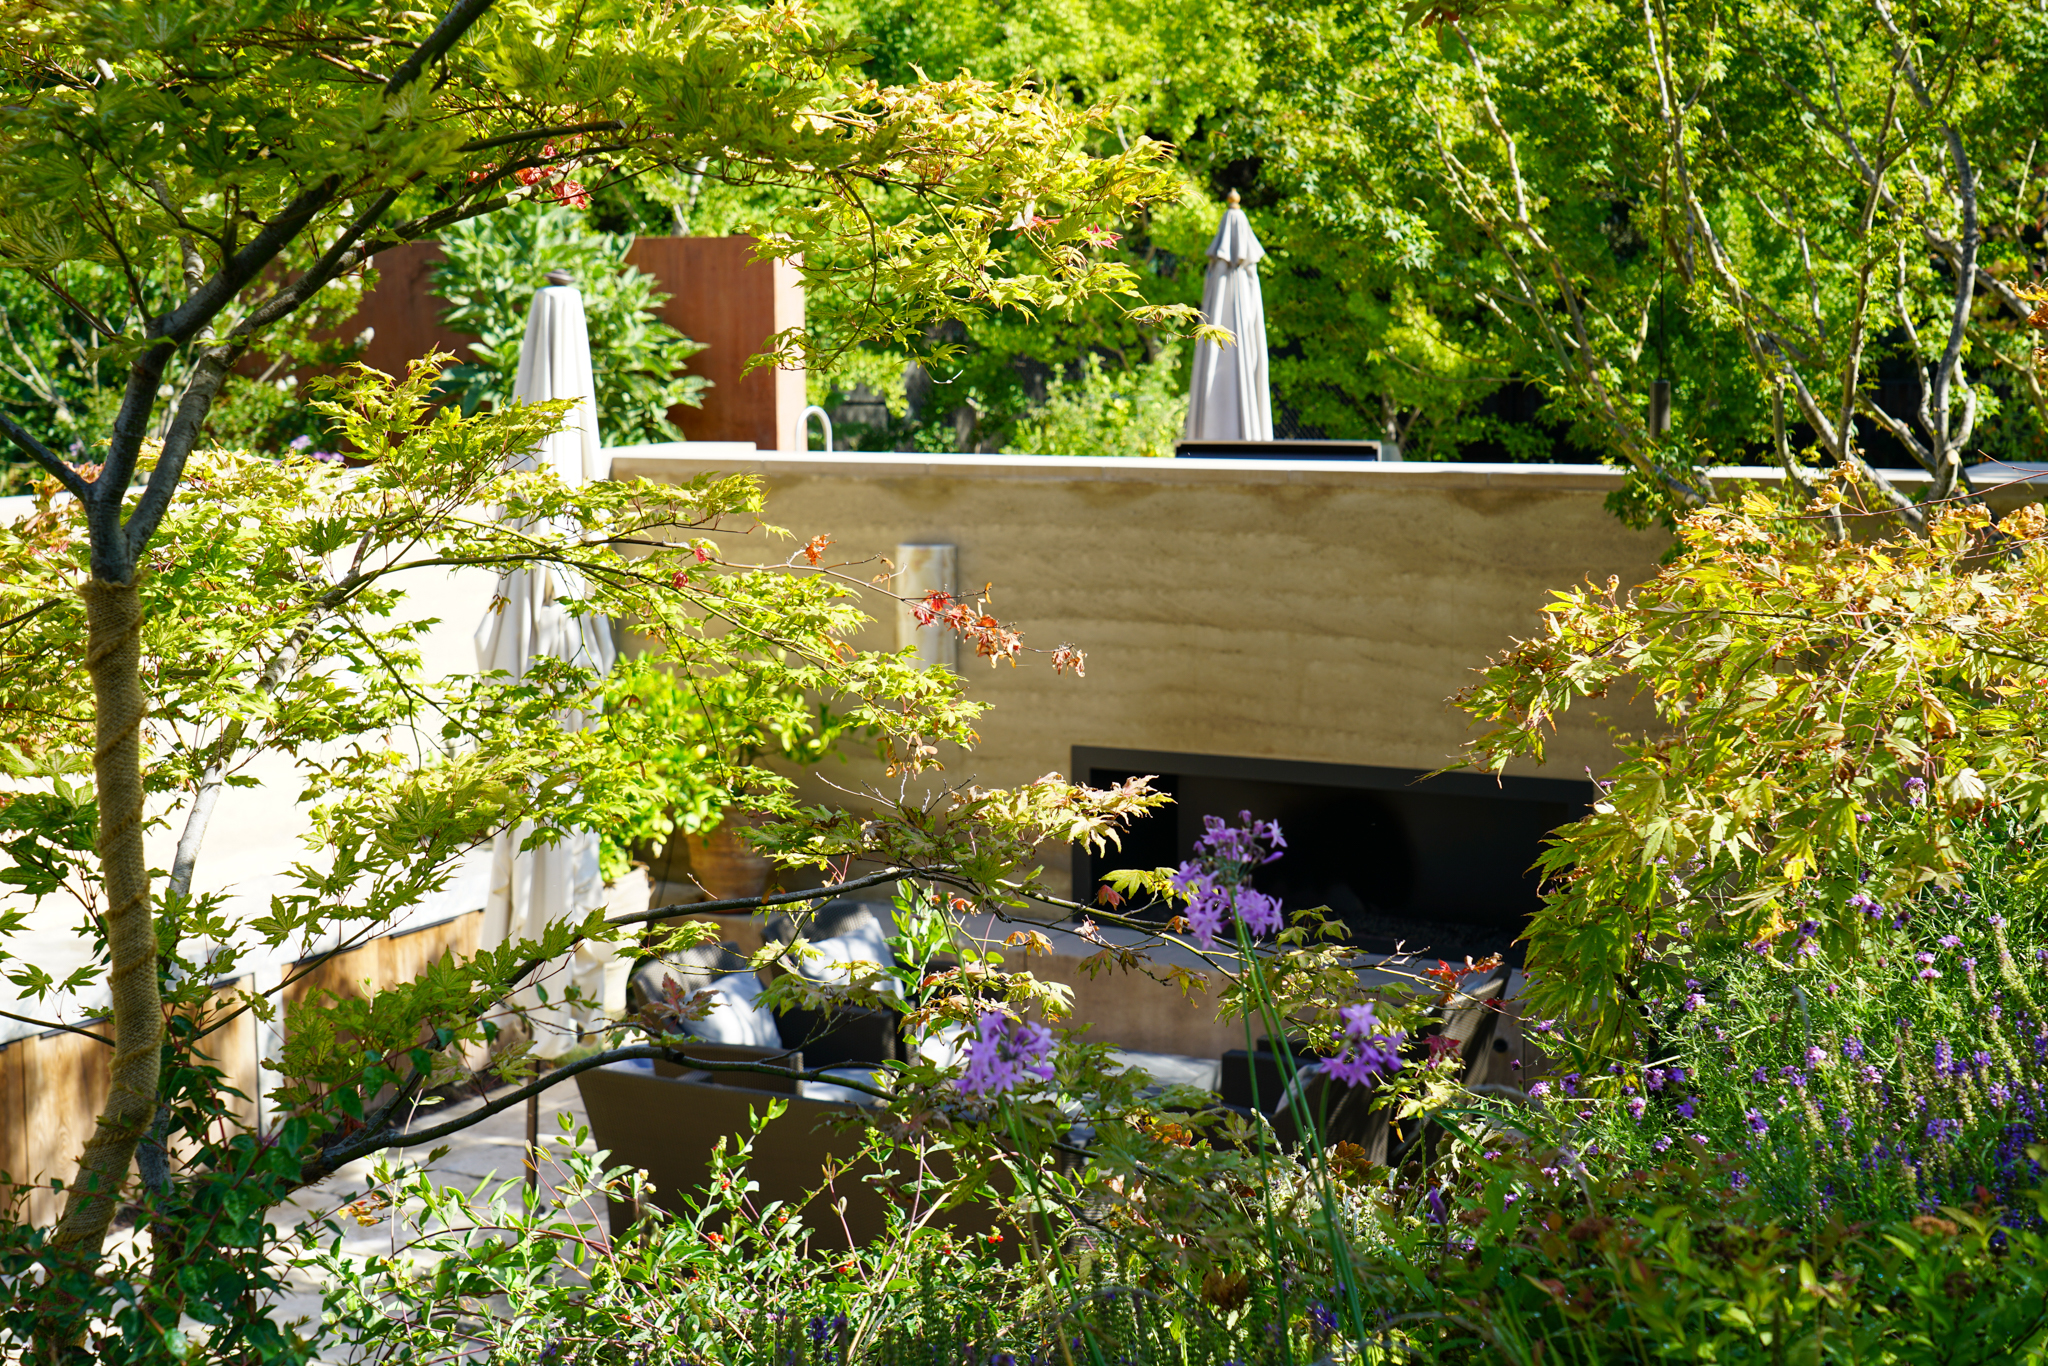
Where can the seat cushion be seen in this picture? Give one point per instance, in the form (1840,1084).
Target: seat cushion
(736,1017)
(1171,1069)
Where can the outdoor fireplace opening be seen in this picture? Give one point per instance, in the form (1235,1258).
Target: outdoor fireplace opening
(1443,866)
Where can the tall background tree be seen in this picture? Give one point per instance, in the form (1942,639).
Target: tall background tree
(1494,234)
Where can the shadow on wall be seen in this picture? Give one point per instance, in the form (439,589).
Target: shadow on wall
(1441,866)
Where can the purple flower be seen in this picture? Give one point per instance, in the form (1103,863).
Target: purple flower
(1213,882)
(1677,1075)
(1259,912)
(1538,1090)
(1254,842)
(1685,1108)
(1814,1057)
(1949,941)
(1998,1093)
(1944,1057)
(1927,975)
(1005,1050)
(1436,1206)
(1636,1106)
(1684,929)
(1757,1122)
(1370,1051)
(1944,1130)
(1996,921)
(1916,791)
(1569,1083)
(1923,957)
(1980,1059)
(1806,948)
(1759,1077)
(1663,1142)
(1866,903)
(1654,1079)
(300,443)
(1695,1002)
(1737,1180)
(1871,1076)
(1852,1049)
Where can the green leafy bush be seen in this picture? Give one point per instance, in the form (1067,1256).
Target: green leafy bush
(1135,411)
(496,262)
(694,740)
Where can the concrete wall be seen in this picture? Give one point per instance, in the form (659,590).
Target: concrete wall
(1310,610)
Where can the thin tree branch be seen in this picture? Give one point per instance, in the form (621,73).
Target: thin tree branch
(366,1141)
(56,1024)
(567,130)
(762,903)
(47,458)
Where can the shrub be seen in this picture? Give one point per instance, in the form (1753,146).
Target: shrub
(1136,411)
(493,266)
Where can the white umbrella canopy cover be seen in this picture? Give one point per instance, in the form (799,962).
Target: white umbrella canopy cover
(532,889)
(1230,399)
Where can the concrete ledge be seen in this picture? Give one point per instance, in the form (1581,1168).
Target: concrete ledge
(673,458)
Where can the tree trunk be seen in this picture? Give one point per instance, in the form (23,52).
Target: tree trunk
(114,657)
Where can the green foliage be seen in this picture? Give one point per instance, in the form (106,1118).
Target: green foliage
(210,1287)
(1545,1254)
(61,376)
(1140,411)
(1716,196)
(1807,694)
(694,740)
(493,265)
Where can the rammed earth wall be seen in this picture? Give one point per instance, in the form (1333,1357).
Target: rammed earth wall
(1312,610)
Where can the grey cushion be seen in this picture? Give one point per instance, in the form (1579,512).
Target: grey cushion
(736,1016)
(1171,1069)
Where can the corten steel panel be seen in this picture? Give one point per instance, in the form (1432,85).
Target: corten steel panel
(405,311)
(717,296)
(720,296)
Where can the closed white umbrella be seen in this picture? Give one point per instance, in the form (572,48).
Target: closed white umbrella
(533,889)
(1230,399)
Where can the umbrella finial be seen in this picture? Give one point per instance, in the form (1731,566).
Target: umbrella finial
(560,277)
(1231,199)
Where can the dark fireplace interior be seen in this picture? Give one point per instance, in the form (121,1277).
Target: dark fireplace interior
(1442,866)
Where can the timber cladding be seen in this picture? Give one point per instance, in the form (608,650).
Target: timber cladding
(53,1085)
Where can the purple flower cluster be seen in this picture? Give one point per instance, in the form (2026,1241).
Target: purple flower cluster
(1004,1051)
(1216,880)
(1370,1051)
